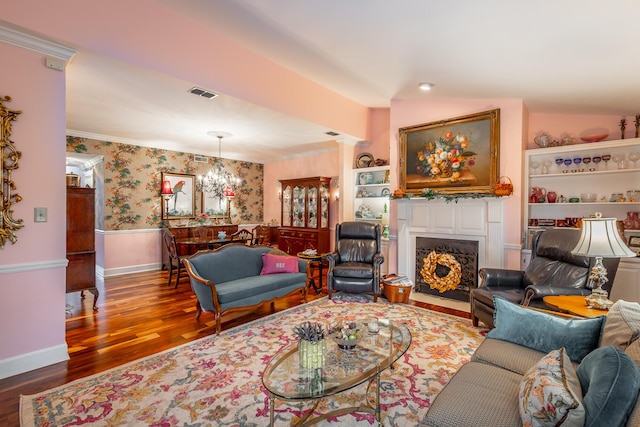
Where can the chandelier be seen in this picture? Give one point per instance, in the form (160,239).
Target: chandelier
(218,181)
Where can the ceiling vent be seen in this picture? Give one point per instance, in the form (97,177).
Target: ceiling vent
(332,133)
(202,92)
(201,159)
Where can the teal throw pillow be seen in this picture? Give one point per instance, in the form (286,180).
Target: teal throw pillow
(544,332)
(610,382)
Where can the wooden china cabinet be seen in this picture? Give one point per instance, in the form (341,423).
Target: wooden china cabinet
(304,215)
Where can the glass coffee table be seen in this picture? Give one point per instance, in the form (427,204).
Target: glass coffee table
(343,369)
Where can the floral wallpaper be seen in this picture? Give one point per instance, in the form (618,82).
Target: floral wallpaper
(132,181)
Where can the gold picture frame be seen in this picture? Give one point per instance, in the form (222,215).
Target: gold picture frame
(9,157)
(458,155)
(634,244)
(216,208)
(181,204)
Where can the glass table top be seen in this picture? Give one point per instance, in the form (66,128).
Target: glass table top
(343,369)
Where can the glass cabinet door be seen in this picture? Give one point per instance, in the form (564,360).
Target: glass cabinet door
(286,206)
(299,197)
(324,206)
(312,206)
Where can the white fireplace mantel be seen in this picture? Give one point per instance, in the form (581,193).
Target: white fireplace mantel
(479,219)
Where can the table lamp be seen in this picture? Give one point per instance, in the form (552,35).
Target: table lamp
(600,238)
(167,192)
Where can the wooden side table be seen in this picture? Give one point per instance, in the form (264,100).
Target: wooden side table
(572,304)
(314,261)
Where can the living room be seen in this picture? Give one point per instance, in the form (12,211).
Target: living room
(33,269)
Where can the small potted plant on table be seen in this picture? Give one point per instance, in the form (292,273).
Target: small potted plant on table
(312,347)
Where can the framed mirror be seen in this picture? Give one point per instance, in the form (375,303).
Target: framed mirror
(216,208)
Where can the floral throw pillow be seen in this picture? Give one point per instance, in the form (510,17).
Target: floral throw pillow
(550,393)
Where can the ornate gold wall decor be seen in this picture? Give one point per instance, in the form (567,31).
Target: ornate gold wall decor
(9,157)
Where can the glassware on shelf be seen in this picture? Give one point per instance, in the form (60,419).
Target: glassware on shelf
(605,158)
(620,159)
(633,157)
(546,166)
(567,165)
(559,163)
(587,160)
(534,164)
(596,160)
(576,161)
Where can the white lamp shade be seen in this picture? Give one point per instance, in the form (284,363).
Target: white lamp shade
(600,238)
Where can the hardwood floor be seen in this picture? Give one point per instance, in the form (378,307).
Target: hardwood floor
(138,315)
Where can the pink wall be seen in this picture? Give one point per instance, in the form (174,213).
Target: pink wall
(138,249)
(378,134)
(32,271)
(512,120)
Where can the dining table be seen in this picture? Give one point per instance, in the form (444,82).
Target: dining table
(190,246)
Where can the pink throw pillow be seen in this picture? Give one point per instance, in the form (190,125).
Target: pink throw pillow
(275,264)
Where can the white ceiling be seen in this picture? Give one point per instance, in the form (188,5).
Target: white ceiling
(570,56)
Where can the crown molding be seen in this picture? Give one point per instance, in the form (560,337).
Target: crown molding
(15,36)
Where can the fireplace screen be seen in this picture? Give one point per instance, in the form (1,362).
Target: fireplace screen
(446,267)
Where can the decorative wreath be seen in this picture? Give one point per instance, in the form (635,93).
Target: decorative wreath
(442,284)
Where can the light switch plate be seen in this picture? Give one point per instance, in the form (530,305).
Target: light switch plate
(40,214)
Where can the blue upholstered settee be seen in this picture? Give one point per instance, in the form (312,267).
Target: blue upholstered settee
(229,279)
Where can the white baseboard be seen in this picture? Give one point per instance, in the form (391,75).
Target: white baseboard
(108,272)
(35,360)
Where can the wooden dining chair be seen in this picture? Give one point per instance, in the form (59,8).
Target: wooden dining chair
(175,260)
(262,235)
(202,233)
(242,236)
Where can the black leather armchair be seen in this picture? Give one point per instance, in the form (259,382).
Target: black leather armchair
(553,270)
(354,266)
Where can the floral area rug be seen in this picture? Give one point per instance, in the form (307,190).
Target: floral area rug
(216,381)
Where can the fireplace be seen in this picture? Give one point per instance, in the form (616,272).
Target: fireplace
(476,222)
(446,267)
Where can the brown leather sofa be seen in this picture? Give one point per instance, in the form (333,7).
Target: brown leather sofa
(354,266)
(553,270)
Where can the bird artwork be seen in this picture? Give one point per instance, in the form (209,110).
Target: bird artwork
(177,189)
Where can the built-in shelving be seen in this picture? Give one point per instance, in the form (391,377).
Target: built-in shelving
(371,193)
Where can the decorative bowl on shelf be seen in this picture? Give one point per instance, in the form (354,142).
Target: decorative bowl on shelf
(588,197)
(543,140)
(594,138)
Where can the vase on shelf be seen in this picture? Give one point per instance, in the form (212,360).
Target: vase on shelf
(632,222)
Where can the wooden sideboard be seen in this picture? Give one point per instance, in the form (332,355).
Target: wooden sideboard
(81,252)
(190,233)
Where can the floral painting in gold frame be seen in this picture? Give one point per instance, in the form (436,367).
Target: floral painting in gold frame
(458,155)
